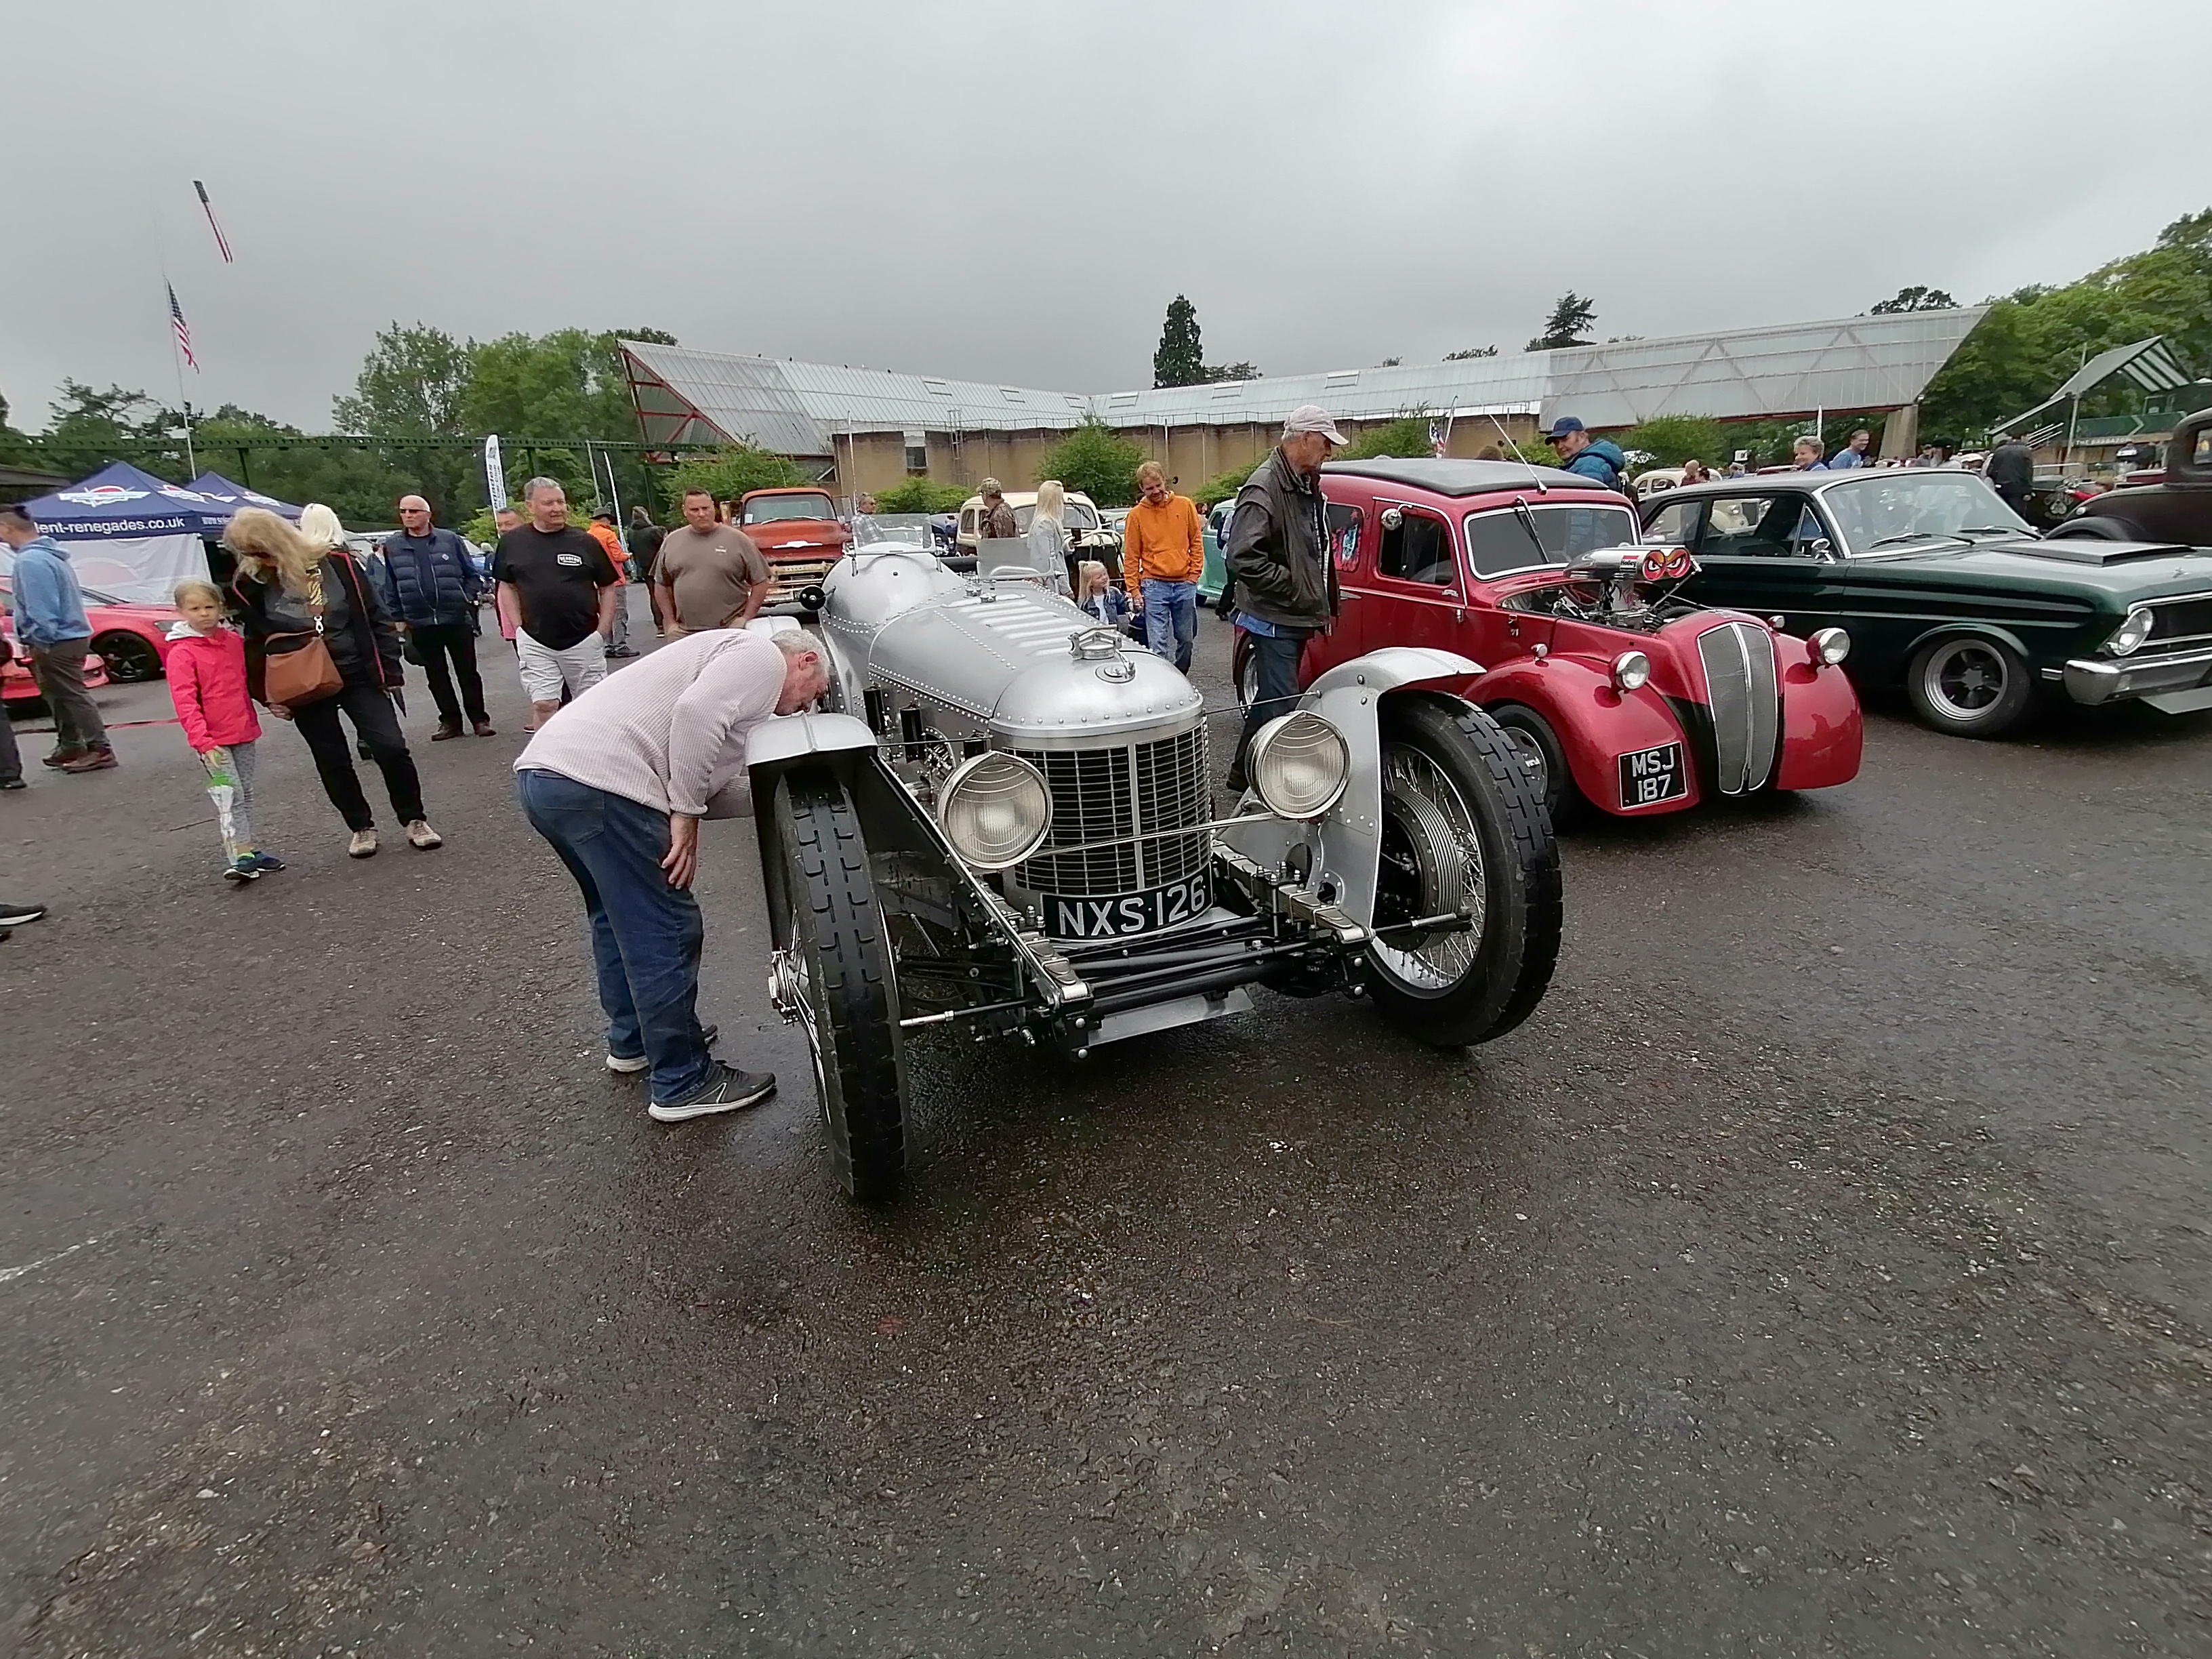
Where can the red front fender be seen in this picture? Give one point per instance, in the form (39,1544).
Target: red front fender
(1594,724)
(1822,730)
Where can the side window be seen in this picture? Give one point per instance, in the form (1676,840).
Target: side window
(1677,523)
(1418,550)
(968,518)
(1750,526)
(1344,534)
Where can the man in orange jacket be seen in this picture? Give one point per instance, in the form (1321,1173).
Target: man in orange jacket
(1162,556)
(604,533)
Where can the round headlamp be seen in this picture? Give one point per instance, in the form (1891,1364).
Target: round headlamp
(1630,671)
(1299,763)
(1829,645)
(995,809)
(2133,632)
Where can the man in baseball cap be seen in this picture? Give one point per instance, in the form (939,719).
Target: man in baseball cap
(1282,583)
(1595,458)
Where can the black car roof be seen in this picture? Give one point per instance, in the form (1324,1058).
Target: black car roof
(1455,477)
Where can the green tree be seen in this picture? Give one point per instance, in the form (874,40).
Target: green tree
(544,394)
(1180,360)
(1222,485)
(362,486)
(412,385)
(728,473)
(1096,460)
(1217,373)
(920,496)
(1405,437)
(1571,319)
(91,429)
(1471,351)
(647,335)
(1915,299)
(1390,362)
(1671,440)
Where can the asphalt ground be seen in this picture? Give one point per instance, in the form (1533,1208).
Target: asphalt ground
(1823,1270)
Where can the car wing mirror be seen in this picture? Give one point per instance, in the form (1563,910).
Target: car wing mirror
(1824,549)
(1391,517)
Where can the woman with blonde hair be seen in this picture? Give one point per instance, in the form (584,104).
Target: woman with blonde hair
(1047,534)
(294,587)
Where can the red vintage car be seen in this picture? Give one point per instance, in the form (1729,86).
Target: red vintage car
(1620,695)
(797,532)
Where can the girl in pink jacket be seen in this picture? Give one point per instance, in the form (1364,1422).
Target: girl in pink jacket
(206,666)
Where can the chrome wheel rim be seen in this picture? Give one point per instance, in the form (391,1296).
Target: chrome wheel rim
(1965,679)
(1432,865)
(798,985)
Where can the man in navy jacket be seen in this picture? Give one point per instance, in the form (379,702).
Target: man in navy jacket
(434,590)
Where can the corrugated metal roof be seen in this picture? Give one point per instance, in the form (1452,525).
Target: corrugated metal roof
(1853,362)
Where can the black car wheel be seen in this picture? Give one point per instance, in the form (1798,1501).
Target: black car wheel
(2095,528)
(838,967)
(1969,686)
(1538,745)
(130,658)
(1463,831)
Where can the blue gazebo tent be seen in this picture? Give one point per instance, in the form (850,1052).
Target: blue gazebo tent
(218,488)
(131,534)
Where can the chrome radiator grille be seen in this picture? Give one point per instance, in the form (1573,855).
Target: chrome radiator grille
(1746,713)
(1101,793)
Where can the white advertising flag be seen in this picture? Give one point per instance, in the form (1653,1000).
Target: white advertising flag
(494,475)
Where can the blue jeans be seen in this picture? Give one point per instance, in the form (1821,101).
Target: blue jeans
(1171,619)
(646,935)
(1275,670)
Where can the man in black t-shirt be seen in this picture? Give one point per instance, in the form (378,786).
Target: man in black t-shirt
(562,585)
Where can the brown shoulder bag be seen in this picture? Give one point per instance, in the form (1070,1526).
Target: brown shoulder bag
(306,673)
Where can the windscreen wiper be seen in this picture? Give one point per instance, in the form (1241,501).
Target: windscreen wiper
(1912,536)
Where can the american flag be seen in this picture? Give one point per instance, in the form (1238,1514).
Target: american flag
(183,329)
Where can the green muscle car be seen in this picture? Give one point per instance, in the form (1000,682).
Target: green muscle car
(1943,586)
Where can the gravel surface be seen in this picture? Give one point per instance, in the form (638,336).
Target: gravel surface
(1823,1269)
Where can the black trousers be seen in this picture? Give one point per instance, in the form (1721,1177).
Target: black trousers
(371,712)
(435,644)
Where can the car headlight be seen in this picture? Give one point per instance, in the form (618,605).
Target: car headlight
(1299,763)
(2133,632)
(994,809)
(1630,671)
(1829,646)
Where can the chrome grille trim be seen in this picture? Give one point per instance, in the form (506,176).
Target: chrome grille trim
(1099,794)
(1743,698)
(2182,617)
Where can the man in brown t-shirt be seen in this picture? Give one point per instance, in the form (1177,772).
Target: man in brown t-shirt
(710,574)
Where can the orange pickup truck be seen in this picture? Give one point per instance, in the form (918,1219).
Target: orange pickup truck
(797,532)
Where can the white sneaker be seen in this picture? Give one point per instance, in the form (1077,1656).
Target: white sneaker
(422,837)
(362,844)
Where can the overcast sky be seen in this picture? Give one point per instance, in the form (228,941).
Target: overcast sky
(1014,191)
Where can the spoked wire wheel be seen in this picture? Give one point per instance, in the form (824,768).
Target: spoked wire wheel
(1432,865)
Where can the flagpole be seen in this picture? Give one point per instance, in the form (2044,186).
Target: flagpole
(176,361)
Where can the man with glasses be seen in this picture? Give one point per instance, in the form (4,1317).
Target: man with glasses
(433,592)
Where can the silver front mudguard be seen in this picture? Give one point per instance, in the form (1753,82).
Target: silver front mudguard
(1347,846)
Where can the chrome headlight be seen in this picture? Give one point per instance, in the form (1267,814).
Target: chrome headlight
(2133,632)
(1630,671)
(1299,763)
(1829,646)
(994,809)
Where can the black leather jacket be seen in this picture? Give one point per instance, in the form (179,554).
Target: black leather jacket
(1278,549)
(363,644)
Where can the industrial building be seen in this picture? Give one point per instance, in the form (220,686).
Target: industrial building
(868,429)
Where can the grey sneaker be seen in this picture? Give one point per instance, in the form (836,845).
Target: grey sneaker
(362,844)
(631,1065)
(726,1090)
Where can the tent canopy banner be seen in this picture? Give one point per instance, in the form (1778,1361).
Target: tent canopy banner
(141,569)
(122,500)
(220,490)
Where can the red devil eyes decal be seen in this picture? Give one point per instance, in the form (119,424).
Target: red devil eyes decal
(1666,563)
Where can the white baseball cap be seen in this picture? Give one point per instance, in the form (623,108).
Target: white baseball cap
(1312,418)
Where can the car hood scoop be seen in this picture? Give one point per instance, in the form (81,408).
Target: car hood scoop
(2070,549)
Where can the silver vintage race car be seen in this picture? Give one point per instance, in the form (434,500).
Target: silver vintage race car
(1004,825)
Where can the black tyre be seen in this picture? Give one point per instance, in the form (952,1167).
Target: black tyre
(2095,527)
(130,658)
(839,969)
(1538,745)
(1461,826)
(1969,686)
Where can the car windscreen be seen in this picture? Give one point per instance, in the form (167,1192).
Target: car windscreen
(1497,540)
(1897,508)
(769,509)
(1075,517)
(891,530)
